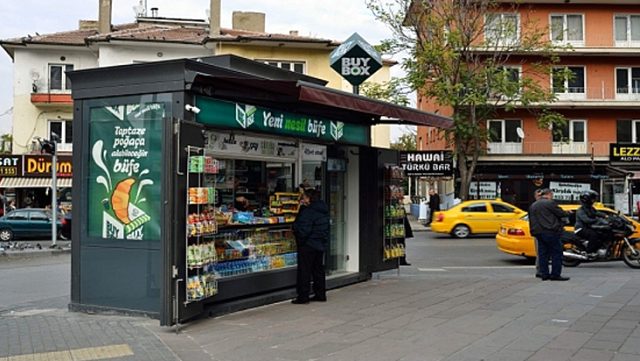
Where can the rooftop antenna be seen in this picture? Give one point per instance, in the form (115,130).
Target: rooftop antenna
(141,9)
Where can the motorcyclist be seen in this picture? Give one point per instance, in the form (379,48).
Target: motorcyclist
(586,217)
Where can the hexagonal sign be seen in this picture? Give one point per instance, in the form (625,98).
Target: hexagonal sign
(356,60)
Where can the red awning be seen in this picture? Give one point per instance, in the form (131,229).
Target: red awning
(397,114)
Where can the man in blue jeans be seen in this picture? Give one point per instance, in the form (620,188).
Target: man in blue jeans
(546,224)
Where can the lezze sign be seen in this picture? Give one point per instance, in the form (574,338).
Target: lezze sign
(356,60)
(427,163)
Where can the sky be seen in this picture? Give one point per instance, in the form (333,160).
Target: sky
(332,19)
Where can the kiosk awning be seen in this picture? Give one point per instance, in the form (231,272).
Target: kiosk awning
(22,182)
(314,99)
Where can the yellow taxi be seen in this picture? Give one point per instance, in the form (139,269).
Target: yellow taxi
(514,237)
(473,217)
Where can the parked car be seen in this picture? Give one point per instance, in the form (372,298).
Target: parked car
(26,223)
(65,230)
(474,217)
(514,236)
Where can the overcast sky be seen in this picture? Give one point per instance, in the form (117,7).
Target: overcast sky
(333,19)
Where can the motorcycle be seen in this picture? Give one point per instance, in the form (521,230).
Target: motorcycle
(616,244)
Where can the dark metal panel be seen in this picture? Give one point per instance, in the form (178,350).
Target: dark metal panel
(80,130)
(372,161)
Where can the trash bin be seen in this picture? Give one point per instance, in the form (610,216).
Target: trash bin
(415,210)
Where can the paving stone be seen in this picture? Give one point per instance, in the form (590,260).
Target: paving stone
(551,354)
(570,340)
(592,355)
(631,346)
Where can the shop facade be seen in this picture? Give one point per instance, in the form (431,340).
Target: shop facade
(25,180)
(567,179)
(188,180)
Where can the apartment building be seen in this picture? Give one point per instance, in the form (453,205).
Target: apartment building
(601,102)
(42,101)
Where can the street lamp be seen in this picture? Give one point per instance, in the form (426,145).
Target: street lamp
(49,147)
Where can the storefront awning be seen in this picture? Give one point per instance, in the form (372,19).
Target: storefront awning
(22,182)
(313,99)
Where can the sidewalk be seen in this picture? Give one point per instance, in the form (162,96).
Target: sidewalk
(416,225)
(28,249)
(420,314)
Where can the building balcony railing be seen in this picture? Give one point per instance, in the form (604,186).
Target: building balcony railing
(52,99)
(598,149)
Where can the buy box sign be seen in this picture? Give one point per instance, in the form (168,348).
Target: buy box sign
(356,60)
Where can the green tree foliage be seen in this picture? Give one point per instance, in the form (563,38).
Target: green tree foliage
(406,141)
(456,54)
(393,91)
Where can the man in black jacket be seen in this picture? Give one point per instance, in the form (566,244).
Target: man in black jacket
(546,221)
(311,229)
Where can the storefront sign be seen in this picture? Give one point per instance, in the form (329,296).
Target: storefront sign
(568,191)
(223,114)
(427,163)
(40,166)
(483,190)
(124,191)
(356,60)
(624,152)
(242,145)
(11,166)
(313,152)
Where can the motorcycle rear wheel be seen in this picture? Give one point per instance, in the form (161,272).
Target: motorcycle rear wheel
(629,259)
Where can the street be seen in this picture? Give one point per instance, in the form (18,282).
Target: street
(460,300)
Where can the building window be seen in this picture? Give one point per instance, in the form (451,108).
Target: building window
(628,131)
(504,131)
(502,29)
(57,78)
(63,128)
(505,83)
(294,66)
(627,80)
(574,131)
(568,80)
(627,29)
(567,29)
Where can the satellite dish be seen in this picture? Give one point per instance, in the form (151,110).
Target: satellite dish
(520,132)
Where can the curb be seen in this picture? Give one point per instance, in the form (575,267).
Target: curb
(33,253)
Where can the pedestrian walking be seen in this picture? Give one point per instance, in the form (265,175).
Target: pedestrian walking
(546,220)
(408,233)
(434,203)
(311,229)
(536,196)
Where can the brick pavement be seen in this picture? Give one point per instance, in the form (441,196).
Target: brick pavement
(453,314)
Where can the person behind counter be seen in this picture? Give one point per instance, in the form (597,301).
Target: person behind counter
(311,229)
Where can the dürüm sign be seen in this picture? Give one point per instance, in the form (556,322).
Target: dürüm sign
(427,163)
(34,165)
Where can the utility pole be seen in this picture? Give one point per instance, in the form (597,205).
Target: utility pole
(49,146)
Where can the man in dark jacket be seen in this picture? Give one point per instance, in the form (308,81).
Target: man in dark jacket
(546,221)
(311,229)
(434,203)
(586,217)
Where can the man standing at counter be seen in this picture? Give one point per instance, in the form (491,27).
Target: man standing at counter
(311,229)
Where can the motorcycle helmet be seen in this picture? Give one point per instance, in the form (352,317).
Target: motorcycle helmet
(589,197)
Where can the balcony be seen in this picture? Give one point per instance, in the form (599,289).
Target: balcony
(45,100)
(599,149)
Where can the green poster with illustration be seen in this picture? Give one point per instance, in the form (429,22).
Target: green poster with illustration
(124,190)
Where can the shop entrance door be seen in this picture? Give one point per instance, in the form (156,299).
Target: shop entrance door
(336,257)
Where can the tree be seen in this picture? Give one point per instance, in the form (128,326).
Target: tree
(458,57)
(406,141)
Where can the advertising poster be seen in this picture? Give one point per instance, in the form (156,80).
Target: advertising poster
(124,190)
(565,191)
(484,190)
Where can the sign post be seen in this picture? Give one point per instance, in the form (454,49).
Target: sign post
(356,60)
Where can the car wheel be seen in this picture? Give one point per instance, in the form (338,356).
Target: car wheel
(6,235)
(461,231)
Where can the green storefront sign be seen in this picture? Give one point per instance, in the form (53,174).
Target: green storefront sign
(224,114)
(124,197)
